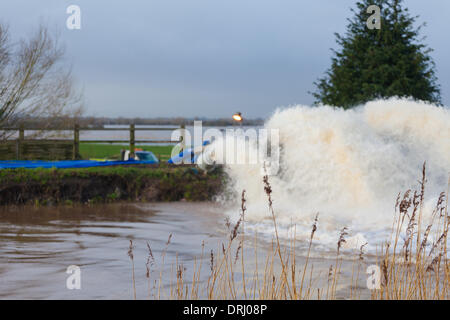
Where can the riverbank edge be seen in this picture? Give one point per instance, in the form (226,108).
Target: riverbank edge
(108,184)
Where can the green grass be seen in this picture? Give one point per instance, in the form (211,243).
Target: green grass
(42,175)
(112,151)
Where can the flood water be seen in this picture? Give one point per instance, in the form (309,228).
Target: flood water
(37,245)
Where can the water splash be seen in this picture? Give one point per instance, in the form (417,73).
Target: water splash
(348,165)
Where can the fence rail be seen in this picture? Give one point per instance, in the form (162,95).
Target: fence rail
(132,141)
(93,129)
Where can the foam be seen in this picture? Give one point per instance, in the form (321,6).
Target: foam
(348,165)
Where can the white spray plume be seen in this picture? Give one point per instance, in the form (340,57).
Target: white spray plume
(349,165)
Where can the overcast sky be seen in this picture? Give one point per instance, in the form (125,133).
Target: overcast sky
(206,58)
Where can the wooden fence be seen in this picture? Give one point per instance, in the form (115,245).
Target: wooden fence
(60,149)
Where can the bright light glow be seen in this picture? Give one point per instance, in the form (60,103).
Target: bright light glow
(237,117)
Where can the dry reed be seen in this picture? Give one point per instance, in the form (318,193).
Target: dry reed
(413,262)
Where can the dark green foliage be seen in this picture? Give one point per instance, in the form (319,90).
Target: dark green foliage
(382,63)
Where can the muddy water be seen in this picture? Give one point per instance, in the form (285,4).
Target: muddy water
(38,244)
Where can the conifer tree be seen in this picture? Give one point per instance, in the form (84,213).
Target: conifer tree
(379,63)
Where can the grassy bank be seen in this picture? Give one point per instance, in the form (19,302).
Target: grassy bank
(107,184)
(112,151)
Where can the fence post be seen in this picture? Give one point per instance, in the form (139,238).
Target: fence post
(19,150)
(183,137)
(76,142)
(132,140)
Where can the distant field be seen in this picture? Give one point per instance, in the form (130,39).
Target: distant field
(112,151)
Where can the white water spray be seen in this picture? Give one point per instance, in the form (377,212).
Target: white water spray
(348,165)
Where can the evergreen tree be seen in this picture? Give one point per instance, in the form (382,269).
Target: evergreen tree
(379,63)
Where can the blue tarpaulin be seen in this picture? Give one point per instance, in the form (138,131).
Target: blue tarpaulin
(11,164)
